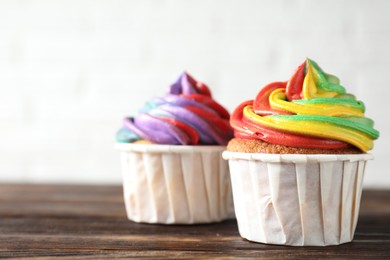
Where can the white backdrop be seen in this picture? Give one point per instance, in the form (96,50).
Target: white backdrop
(70,70)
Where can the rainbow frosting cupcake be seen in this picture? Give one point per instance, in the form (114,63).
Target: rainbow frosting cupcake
(297,160)
(173,171)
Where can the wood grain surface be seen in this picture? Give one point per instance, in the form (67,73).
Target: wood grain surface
(89,222)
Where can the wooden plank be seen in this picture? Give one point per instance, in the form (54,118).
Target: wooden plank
(90,222)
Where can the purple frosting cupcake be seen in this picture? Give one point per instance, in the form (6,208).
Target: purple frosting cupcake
(179,177)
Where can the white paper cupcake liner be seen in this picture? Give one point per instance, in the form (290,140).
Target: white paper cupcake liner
(295,199)
(169,184)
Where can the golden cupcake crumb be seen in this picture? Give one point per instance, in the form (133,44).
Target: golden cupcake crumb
(258,146)
(142,141)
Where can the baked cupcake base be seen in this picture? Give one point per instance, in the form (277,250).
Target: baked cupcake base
(258,146)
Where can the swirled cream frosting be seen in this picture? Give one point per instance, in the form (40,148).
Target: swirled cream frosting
(310,110)
(186,115)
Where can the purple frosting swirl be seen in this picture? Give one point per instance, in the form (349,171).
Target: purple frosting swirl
(187,115)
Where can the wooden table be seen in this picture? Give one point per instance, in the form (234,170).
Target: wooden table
(90,222)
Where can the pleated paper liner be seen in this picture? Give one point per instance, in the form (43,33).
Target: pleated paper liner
(170,184)
(296,199)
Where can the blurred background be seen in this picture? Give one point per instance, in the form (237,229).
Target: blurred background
(71,70)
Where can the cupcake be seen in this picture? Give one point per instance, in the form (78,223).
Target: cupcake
(171,150)
(297,160)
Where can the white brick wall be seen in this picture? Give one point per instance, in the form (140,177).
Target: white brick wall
(70,70)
